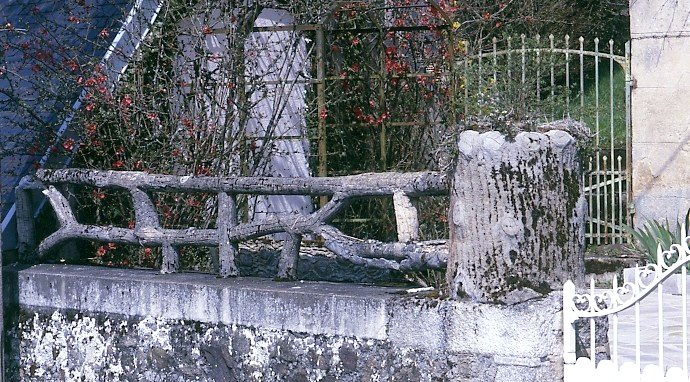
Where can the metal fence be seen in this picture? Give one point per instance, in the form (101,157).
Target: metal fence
(648,340)
(549,79)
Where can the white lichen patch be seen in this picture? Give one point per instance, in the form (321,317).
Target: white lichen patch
(258,353)
(84,348)
(208,335)
(335,349)
(67,349)
(155,332)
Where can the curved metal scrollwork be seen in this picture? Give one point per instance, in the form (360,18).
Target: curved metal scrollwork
(619,298)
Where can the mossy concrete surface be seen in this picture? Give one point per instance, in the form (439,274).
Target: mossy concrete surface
(86,323)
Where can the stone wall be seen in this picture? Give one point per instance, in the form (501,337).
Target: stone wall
(660,31)
(91,323)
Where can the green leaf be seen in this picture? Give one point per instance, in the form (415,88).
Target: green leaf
(654,232)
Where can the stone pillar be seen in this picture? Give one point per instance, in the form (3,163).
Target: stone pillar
(517,216)
(660,32)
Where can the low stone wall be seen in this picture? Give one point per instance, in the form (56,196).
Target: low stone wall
(87,323)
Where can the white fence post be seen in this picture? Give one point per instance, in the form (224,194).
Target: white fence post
(569,355)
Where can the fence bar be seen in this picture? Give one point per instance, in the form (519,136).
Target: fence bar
(466,81)
(524,62)
(522,77)
(611,98)
(592,328)
(582,77)
(620,198)
(684,294)
(2,317)
(26,230)
(322,169)
(613,199)
(660,306)
(553,82)
(538,53)
(638,348)
(614,321)
(523,51)
(146,221)
(567,75)
(479,70)
(569,334)
(596,92)
(628,133)
(289,256)
(606,205)
(406,217)
(598,178)
(510,61)
(589,201)
(453,75)
(413,184)
(383,146)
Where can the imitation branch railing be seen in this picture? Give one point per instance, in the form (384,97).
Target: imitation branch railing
(406,254)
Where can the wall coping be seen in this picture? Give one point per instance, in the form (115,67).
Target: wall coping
(530,330)
(312,307)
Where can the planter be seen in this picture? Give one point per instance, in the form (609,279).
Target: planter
(517,215)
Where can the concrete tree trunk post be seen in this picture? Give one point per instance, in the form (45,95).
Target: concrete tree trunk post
(516,217)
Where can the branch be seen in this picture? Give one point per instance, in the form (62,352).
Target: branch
(398,256)
(63,211)
(147,236)
(370,184)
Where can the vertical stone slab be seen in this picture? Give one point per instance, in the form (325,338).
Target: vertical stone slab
(517,215)
(660,32)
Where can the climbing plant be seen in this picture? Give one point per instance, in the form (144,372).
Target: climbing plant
(186,102)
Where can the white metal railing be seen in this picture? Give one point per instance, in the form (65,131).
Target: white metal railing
(646,337)
(553,78)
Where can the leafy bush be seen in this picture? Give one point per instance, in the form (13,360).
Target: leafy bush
(654,233)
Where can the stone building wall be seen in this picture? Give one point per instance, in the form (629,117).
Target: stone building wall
(660,31)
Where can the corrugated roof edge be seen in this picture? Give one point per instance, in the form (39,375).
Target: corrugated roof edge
(127,41)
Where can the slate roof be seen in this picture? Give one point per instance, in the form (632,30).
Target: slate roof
(33,100)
